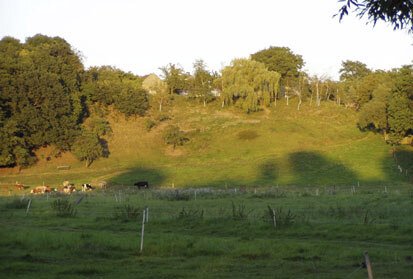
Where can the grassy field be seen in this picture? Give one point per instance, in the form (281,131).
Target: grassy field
(321,232)
(316,146)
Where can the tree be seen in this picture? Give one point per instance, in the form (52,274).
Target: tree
(353,70)
(40,96)
(203,82)
(398,12)
(175,78)
(281,60)
(131,101)
(250,83)
(174,136)
(88,147)
(352,74)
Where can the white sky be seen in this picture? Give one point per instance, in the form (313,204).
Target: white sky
(141,36)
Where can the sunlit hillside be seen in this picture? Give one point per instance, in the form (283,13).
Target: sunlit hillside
(276,146)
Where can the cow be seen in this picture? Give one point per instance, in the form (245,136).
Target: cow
(19,186)
(68,189)
(142,184)
(66,184)
(41,190)
(103,184)
(86,187)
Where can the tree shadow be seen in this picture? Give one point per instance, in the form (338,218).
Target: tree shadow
(312,168)
(398,166)
(268,172)
(152,176)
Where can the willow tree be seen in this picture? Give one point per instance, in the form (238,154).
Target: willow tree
(250,83)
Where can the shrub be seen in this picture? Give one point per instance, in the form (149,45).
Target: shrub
(191,213)
(63,208)
(149,124)
(240,211)
(17,204)
(174,136)
(127,212)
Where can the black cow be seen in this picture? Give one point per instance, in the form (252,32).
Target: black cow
(142,184)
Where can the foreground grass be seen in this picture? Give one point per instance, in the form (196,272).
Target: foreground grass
(204,233)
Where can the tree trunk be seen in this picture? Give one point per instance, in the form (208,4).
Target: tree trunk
(299,102)
(204,103)
(287,99)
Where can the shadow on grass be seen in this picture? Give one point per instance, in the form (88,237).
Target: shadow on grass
(312,168)
(153,176)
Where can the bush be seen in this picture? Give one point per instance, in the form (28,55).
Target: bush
(127,212)
(174,136)
(149,124)
(63,208)
(17,204)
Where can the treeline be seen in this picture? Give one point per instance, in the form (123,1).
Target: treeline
(48,98)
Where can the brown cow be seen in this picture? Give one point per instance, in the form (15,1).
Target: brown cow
(19,186)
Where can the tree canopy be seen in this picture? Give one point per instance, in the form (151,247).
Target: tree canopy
(249,83)
(283,61)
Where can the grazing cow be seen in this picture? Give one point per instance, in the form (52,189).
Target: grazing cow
(66,184)
(142,184)
(41,190)
(68,189)
(103,184)
(86,187)
(19,186)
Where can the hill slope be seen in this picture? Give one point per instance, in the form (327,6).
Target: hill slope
(277,146)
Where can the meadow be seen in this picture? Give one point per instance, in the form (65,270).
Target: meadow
(336,192)
(320,232)
(313,146)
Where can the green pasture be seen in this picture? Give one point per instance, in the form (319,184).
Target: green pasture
(315,146)
(320,232)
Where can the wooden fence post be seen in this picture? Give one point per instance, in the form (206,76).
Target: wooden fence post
(143,228)
(368,265)
(274,218)
(28,207)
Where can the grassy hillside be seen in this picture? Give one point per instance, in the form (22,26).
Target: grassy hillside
(277,146)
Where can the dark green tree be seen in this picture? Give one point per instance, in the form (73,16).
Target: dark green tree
(88,147)
(40,96)
(283,61)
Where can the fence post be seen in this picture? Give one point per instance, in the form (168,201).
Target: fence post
(147,215)
(28,207)
(143,228)
(368,265)
(274,218)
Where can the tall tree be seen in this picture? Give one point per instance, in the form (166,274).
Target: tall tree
(40,96)
(281,60)
(175,78)
(250,83)
(203,82)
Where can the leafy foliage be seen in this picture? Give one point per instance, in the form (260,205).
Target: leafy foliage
(63,208)
(41,100)
(398,13)
(88,147)
(281,60)
(174,136)
(250,83)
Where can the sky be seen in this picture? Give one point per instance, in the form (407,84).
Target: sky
(142,36)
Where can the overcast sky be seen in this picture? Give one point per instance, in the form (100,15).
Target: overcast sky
(141,36)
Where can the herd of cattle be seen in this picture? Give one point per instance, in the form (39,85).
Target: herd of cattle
(68,188)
